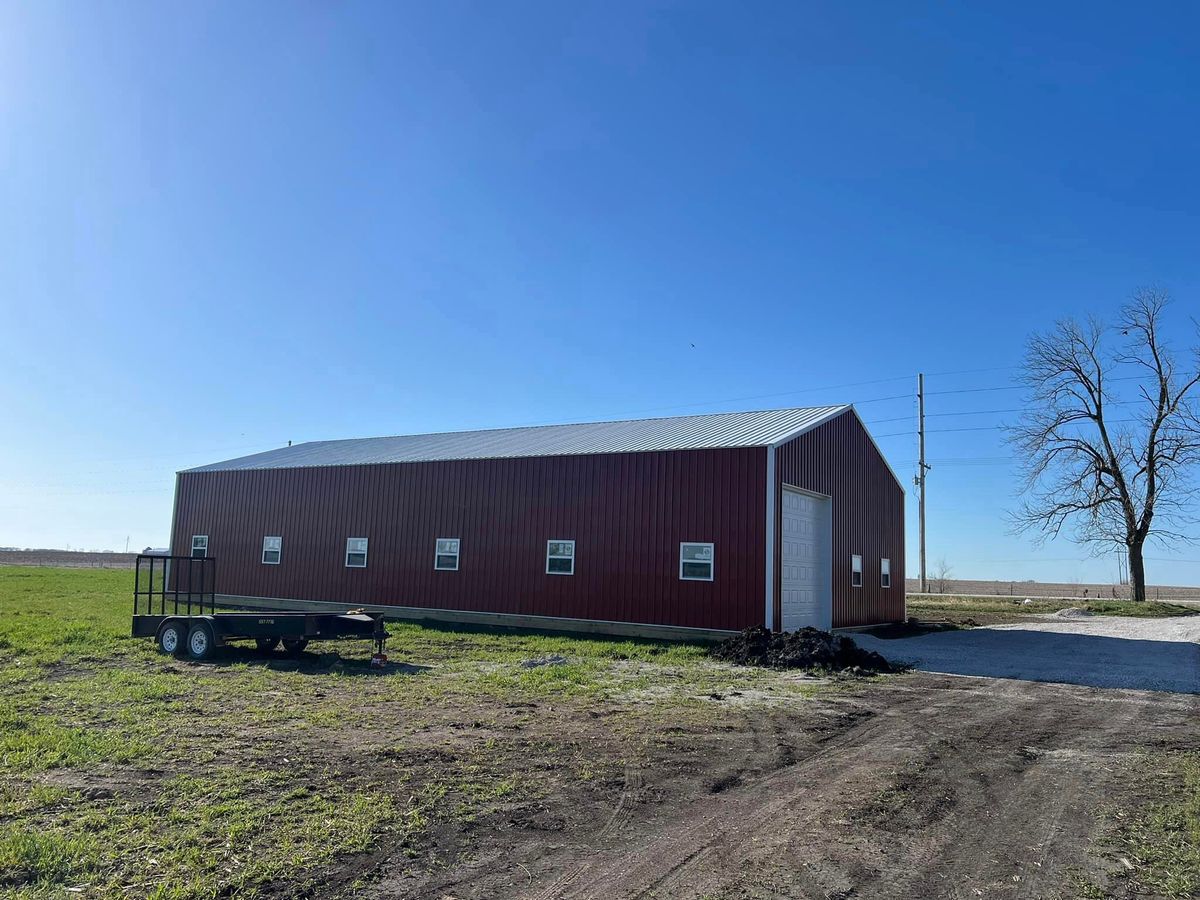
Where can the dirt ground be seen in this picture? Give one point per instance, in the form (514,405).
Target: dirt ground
(917,786)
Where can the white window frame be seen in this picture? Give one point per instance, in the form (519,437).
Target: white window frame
(200,537)
(277,550)
(438,554)
(363,551)
(550,556)
(856,570)
(885,573)
(712,560)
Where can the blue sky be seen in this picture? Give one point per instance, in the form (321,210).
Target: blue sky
(226,226)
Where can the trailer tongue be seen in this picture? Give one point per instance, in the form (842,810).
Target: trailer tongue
(174,602)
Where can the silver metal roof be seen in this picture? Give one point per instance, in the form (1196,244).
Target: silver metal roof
(739,429)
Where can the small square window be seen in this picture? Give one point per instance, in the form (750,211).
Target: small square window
(356,553)
(696,562)
(272,550)
(560,557)
(885,573)
(199,546)
(856,571)
(445,555)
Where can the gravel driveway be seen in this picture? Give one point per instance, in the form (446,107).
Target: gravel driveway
(1100,651)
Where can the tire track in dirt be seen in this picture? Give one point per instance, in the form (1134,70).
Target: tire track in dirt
(916,787)
(1005,806)
(726,819)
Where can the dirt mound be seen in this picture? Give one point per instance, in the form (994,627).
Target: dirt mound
(807,648)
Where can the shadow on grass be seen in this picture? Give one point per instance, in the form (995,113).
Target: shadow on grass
(310,662)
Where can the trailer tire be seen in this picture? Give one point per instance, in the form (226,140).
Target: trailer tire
(295,646)
(201,642)
(266,644)
(171,638)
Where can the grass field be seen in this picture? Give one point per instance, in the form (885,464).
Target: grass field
(126,773)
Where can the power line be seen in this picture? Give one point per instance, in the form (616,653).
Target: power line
(980,428)
(974,428)
(974,412)
(975,371)
(881,399)
(1015,387)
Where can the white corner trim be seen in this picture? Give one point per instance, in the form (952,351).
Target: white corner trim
(829,416)
(769,616)
(174,516)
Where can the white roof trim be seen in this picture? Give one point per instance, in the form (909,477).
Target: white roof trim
(811,425)
(842,410)
(882,456)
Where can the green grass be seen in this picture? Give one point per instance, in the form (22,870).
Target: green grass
(126,773)
(56,614)
(940,607)
(1163,840)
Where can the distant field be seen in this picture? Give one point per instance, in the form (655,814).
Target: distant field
(67,559)
(1022,589)
(996,610)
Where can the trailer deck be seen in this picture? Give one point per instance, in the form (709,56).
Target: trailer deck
(174,602)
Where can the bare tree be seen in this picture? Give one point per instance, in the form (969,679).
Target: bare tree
(1112,468)
(941,575)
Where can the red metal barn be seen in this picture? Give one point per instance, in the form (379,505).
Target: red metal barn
(782,518)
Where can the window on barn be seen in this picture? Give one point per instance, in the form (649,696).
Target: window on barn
(560,557)
(855,571)
(445,557)
(272,550)
(885,573)
(199,546)
(356,553)
(696,562)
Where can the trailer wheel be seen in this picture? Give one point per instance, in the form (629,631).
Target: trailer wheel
(295,646)
(266,644)
(171,638)
(201,642)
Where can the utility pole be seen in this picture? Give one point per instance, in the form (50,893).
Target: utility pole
(922,468)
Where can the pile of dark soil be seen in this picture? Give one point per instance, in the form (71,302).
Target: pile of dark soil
(807,648)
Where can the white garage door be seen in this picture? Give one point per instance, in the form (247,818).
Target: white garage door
(805,567)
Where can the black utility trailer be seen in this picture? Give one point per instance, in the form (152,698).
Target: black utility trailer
(174,602)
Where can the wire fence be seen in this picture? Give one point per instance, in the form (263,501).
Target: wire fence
(67,559)
(1047,590)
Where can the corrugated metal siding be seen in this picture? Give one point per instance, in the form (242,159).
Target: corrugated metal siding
(839,459)
(626,512)
(740,429)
